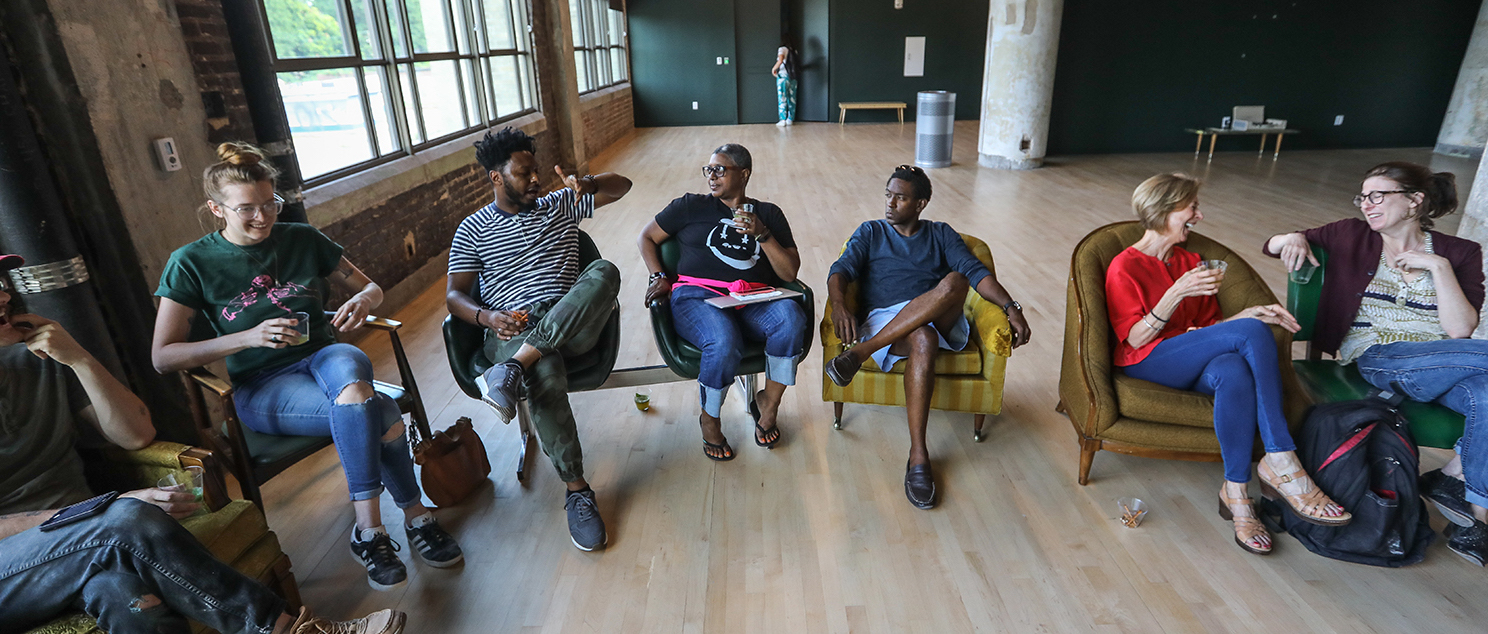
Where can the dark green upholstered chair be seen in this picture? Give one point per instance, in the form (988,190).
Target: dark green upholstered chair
(684,358)
(1327,381)
(464,342)
(254,457)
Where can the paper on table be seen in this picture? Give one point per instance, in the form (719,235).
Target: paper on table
(729,301)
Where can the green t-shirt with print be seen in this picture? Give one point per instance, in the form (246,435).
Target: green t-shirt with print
(236,288)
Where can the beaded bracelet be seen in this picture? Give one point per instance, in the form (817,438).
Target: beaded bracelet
(477,317)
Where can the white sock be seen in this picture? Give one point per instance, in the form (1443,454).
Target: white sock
(366,534)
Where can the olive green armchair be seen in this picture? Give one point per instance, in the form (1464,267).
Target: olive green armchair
(1115,412)
(233,530)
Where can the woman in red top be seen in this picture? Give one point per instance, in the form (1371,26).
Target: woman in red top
(1161,303)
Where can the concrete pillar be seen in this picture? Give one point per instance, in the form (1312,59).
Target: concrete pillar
(1018,82)
(1464,130)
(1474,224)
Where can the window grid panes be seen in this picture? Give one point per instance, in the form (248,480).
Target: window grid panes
(599,44)
(366,81)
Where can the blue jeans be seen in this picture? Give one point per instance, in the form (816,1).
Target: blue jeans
(1452,372)
(1235,362)
(108,565)
(300,400)
(720,334)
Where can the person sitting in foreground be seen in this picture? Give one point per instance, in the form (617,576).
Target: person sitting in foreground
(915,274)
(247,281)
(132,568)
(1401,301)
(723,244)
(1160,298)
(536,305)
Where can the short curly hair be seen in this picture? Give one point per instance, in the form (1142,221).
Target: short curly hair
(918,180)
(493,151)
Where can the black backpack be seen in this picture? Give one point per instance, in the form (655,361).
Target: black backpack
(1361,453)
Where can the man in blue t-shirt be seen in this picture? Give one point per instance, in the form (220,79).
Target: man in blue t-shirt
(521,254)
(912,278)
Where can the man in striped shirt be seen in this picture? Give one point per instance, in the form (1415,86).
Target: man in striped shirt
(521,253)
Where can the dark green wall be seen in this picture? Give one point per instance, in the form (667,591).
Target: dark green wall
(674,45)
(1132,75)
(867,53)
(809,32)
(757,41)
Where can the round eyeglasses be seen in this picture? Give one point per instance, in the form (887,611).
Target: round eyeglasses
(1377,197)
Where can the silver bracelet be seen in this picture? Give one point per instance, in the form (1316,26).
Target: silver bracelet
(1149,325)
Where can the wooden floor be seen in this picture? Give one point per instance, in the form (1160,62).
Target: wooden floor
(816,536)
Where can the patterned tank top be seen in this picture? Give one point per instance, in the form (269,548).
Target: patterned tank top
(1393,310)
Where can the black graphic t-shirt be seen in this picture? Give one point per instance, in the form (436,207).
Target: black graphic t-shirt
(713,249)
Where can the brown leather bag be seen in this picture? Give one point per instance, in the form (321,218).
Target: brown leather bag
(454,462)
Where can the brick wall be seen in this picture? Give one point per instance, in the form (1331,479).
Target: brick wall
(608,117)
(210,48)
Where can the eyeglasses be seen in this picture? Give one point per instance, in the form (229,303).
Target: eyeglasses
(1377,197)
(717,171)
(912,168)
(249,212)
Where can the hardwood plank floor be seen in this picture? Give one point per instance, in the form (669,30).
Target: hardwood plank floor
(816,536)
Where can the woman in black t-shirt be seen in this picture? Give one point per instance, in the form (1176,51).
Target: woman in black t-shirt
(728,240)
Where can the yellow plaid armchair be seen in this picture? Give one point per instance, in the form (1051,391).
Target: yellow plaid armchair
(966,381)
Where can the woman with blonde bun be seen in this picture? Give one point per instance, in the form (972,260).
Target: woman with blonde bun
(247,281)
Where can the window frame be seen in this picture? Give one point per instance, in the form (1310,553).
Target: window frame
(471,50)
(593,38)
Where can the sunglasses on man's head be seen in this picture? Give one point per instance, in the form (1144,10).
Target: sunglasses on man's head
(912,168)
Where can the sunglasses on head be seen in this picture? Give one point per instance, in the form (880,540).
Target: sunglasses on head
(911,168)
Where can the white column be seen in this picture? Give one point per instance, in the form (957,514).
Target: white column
(1018,82)
(1475,226)
(1464,130)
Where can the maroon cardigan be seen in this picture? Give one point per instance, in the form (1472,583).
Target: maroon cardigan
(1353,257)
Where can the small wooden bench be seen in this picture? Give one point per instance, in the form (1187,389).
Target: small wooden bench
(844,106)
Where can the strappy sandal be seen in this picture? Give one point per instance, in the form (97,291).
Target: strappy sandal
(1246,528)
(1309,505)
(759,432)
(724,451)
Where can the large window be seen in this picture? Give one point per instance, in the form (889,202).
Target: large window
(364,81)
(599,44)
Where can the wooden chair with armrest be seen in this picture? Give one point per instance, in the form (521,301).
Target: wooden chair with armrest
(1115,412)
(967,381)
(235,531)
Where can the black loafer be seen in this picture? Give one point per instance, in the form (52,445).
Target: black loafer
(1470,542)
(919,486)
(1449,495)
(841,369)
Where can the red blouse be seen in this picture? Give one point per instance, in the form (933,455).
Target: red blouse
(1135,282)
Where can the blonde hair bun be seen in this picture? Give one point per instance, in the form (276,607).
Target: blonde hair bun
(239,153)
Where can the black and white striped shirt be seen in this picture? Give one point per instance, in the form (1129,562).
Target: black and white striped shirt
(525,258)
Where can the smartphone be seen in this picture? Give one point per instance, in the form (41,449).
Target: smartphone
(80,511)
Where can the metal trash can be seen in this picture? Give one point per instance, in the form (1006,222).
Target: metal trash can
(935,122)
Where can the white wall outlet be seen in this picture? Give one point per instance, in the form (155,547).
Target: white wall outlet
(1338,120)
(898,4)
(165,153)
(718,61)
(694,105)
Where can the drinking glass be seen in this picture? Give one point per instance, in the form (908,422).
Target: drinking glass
(302,329)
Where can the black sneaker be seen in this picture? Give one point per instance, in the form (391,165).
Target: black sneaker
(431,543)
(380,555)
(585,526)
(1449,495)
(1471,542)
(500,388)
(919,486)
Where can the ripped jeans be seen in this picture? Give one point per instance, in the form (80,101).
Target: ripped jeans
(300,400)
(132,568)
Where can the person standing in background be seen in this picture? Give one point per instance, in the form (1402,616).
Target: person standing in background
(785,73)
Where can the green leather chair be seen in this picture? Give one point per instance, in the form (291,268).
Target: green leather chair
(684,358)
(256,457)
(1327,381)
(464,342)
(233,530)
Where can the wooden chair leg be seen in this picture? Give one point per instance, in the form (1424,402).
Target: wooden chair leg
(284,584)
(1088,447)
(976,432)
(1060,408)
(525,426)
(836,415)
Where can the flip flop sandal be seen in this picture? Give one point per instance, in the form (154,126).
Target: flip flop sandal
(723,448)
(754,412)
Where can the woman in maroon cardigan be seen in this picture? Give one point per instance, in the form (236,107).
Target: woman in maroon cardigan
(1401,301)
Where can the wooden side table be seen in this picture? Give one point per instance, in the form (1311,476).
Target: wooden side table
(1215,133)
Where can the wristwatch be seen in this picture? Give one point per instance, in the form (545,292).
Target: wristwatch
(1011,305)
(655,276)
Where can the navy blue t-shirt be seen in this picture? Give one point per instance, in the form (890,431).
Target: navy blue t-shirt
(891,268)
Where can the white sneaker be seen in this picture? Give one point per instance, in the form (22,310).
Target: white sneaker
(790,122)
(781,123)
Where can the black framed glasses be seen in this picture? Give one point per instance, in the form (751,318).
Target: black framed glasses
(1377,197)
(716,171)
(249,212)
